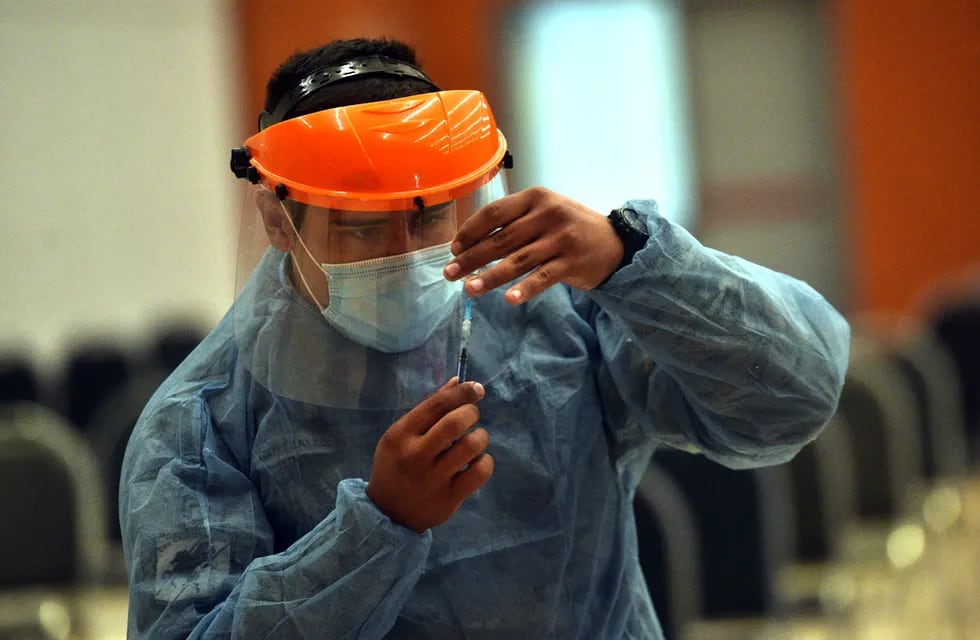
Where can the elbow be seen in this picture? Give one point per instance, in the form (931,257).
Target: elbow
(764,437)
(779,412)
(803,384)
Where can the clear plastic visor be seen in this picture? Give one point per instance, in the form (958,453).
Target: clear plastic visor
(335,236)
(349,309)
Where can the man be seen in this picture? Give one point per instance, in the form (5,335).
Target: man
(316,470)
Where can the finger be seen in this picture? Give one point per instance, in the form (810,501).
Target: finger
(464,451)
(544,276)
(464,483)
(449,429)
(519,263)
(495,215)
(503,242)
(428,412)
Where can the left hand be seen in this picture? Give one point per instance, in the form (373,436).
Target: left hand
(537,232)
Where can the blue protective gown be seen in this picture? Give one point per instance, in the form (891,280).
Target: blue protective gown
(243,506)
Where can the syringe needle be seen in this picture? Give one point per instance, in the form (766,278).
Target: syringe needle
(464,339)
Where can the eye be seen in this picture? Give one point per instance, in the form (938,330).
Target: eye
(435,217)
(363,233)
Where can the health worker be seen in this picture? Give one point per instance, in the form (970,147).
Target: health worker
(315,469)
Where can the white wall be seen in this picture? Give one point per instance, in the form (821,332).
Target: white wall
(766,137)
(119,210)
(600,102)
(746,137)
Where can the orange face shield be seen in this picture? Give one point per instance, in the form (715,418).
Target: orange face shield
(396,155)
(370,197)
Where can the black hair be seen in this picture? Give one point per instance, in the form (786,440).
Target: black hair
(354,91)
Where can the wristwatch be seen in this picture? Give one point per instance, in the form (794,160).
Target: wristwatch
(632,230)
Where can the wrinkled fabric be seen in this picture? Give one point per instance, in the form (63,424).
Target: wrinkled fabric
(243,508)
(391,304)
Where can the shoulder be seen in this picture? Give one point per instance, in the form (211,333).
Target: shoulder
(176,418)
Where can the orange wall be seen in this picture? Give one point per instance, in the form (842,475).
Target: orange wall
(909,83)
(908,80)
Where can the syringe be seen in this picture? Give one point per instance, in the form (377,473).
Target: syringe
(465,339)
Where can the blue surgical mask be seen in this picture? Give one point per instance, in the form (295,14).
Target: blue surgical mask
(391,304)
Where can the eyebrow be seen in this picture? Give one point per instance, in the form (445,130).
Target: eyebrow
(354,222)
(359,222)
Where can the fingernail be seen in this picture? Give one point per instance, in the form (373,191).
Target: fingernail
(480,391)
(456,247)
(451,270)
(476,285)
(514,294)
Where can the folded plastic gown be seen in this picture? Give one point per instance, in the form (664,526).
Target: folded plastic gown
(243,505)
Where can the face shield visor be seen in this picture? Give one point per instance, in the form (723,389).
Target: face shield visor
(345,234)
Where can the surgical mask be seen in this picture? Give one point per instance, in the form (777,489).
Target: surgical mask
(391,304)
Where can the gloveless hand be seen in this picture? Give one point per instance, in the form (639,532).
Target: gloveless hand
(428,462)
(537,232)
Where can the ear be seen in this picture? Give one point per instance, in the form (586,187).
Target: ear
(278,229)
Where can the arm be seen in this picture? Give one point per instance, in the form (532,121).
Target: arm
(715,352)
(703,349)
(199,548)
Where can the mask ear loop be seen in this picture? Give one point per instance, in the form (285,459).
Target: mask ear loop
(299,271)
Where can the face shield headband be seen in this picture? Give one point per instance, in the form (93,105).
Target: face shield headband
(356,68)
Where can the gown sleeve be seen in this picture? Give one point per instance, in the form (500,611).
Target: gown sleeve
(709,352)
(199,549)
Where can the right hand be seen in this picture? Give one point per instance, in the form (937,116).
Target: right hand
(424,466)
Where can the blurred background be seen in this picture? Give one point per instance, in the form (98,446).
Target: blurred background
(835,140)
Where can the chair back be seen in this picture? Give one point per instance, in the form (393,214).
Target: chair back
(823,488)
(878,405)
(51,500)
(109,429)
(932,373)
(668,545)
(92,372)
(957,326)
(18,380)
(746,523)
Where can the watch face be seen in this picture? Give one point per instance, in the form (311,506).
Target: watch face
(632,230)
(632,222)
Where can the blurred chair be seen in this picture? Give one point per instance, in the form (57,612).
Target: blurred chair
(172,344)
(18,380)
(91,373)
(957,325)
(51,532)
(746,523)
(878,404)
(823,490)
(950,307)
(913,349)
(879,408)
(823,486)
(668,544)
(49,480)
(932,374)
(108,431)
